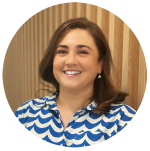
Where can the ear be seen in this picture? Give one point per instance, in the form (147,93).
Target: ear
(100,66)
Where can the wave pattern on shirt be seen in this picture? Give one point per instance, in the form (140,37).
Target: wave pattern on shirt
(42,118)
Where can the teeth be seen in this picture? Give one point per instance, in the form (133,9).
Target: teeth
(72,72)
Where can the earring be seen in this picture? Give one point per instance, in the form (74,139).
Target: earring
(99,76)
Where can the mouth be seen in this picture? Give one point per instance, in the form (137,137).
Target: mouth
(72,72)
(72,75)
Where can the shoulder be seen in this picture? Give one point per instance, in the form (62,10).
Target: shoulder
(123,114)
(33,105)
(123,109)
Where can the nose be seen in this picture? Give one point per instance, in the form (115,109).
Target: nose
(71,59)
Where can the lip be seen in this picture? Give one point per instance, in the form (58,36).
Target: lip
(71,75)
(72,70)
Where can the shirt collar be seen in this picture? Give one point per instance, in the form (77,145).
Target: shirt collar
(50,100)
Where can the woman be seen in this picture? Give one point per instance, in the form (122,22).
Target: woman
(85,109)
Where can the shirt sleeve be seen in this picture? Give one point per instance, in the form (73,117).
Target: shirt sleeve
(127,113)
(22,112)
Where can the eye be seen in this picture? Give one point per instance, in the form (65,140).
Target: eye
(61,51)
(83,52)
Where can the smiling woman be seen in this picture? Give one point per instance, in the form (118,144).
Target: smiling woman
(85,108)
(66,40)
(75,70)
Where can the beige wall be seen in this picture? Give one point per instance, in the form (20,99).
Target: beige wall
(20,72)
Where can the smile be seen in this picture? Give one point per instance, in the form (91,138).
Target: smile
(72,72)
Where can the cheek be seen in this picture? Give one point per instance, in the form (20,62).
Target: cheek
(91,63)
(55,66)
(56,63)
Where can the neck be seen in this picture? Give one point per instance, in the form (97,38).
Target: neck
(74,100)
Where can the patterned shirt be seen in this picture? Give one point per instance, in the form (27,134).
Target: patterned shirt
(42,118)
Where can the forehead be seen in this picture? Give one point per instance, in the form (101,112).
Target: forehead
(77,35)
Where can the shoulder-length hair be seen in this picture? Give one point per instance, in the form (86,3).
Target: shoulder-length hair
(104,92)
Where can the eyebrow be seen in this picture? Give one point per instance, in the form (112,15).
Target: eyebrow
(78,46)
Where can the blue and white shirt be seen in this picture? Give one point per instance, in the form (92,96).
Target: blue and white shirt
(42,118)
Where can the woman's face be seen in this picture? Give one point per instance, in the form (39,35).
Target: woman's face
(76,64)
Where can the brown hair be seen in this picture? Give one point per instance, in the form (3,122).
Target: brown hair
(104,92)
